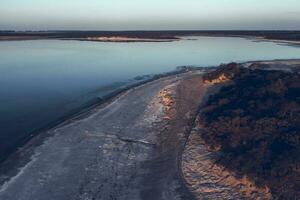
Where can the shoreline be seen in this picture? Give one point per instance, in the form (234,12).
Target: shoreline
(87,107)
(175,108)
(150,36)
(149,40)
(125,40)
(288,42)
(165,143)
(36,137)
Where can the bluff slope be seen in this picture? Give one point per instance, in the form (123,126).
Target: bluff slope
(253,122)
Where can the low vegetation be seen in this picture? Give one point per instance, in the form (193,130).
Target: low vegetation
(254,122)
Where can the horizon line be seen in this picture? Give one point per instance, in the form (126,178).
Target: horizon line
(145,30)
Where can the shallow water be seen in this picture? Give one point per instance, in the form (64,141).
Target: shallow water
(43,80)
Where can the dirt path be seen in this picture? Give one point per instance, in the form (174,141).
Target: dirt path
(127,150)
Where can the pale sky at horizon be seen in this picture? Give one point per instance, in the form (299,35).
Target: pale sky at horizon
(149,14)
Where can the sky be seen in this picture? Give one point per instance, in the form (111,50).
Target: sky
(149,14)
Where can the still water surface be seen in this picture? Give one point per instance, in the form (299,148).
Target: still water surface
(43,80)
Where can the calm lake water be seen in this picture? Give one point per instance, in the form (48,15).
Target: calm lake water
(43,80)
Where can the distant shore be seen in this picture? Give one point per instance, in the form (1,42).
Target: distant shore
(93,39)
(126,39)
(289,37)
